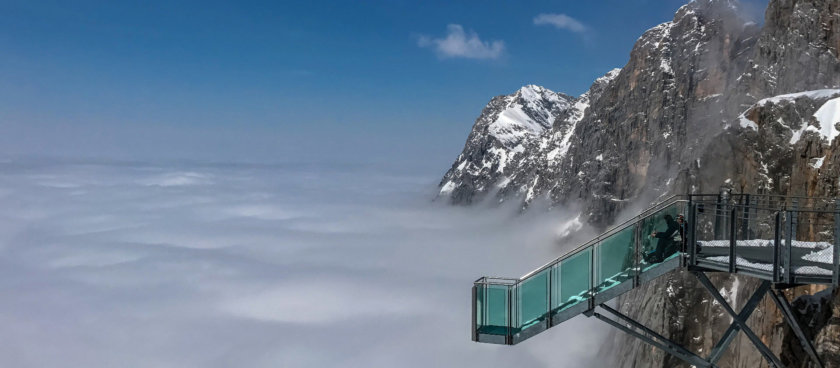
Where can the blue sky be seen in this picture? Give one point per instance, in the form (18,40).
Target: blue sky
(93,75)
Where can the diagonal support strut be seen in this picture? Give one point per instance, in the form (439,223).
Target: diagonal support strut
(784,306)
(650,337)
(734,328)
(742,323)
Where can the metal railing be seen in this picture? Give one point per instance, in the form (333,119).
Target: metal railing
(783,239)
(509,310)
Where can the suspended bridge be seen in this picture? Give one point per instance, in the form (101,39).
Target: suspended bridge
(783,240)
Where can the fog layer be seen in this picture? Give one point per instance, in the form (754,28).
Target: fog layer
(139,265)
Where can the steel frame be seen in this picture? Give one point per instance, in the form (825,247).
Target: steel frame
(741,321)
(649,336)
(782,303)
(739,324)
(726,220)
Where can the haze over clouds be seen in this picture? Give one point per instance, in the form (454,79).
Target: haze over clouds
(145,265)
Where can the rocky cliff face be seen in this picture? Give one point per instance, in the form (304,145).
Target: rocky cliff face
(706,100)
(502,136)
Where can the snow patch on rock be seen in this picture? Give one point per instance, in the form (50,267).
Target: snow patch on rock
(828,116)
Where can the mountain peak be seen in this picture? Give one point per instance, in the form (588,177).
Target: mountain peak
(719,9)
(731,5)
(533,92)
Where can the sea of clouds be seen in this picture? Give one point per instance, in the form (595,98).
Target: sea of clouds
(116,264)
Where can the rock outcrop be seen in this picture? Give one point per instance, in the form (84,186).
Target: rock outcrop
(503,133)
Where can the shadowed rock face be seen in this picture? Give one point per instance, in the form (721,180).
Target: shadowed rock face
(706,100)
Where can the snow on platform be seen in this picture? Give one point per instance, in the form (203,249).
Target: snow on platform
(760,243)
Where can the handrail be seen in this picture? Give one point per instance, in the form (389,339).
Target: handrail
(782,200)
(647,211)
(510,310)
(610,231)
(484,280)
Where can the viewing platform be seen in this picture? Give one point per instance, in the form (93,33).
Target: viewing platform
(785,241)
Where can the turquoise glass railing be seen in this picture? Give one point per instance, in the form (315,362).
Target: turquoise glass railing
(507,311)
(784,239)
(572,277)
(615,258)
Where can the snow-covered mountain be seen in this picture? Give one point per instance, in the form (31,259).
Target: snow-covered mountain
(503,132)
(705,101)
(640,130)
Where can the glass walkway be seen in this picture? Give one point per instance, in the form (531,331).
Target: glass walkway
(783,240)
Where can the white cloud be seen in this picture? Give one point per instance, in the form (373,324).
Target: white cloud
(461,44)
(194,265)
(561,21)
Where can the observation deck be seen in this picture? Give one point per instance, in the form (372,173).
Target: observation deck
(784,241)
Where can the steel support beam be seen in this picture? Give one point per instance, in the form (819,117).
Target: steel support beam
(733,240)
(550,318)
(777,247)
(474,333)
(742,324)
(592,282)
(637,256)
(696,358)
(509,336)
(835,278)
(784,306)
(666,345)
(794,224)
(691,230)
(719,213)
(732,331)
(745,221)
(788,245)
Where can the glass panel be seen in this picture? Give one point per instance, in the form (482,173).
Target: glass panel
(532,299)
(661,236)
(574,280)
(615,258)
(494,313)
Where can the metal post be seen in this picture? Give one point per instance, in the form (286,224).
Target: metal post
(691,230)
(786,253)
(745,222)
(474,314)
(637,254)
(794,223)
(548,317)
(718,211)
(592,274)
(688,206)
(795,219)
(509,336)
(726,199)
(784,306)
(836,261)
(777,244)
(732,240)
(765,351)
